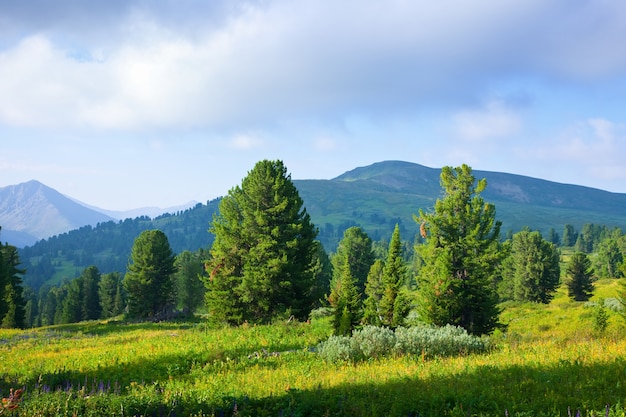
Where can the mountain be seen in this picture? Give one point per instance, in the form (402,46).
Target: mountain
(382,194)
(142,211)
(375,197)
(31,211)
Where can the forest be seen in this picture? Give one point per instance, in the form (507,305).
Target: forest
(447,291)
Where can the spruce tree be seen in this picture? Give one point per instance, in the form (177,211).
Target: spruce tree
(347,304)
(90,303)
(108,290)
(355,249)
(12,313)
(374,290)
(461,256)
(531,272)
(148,280)
(394,302)
(188,280)
(263,255)
(579,277)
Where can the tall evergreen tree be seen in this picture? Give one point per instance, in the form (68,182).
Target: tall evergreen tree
(355,249)
(263,253)
(394,302)
(348,309)
(374,290)
(188,280)
(579,277)
(12,314)
(461,256)
(569,235)
(531,272)
(148,280)
(323,272)
(90,303)
(71,306)
(610,256)
(109,290)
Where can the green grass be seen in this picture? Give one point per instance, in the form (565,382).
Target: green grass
(547,360)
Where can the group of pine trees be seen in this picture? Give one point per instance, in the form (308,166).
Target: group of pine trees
(155,284)
(265,262)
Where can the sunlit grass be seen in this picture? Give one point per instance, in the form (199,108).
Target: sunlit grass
(548,359)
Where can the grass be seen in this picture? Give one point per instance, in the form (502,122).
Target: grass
(549,360)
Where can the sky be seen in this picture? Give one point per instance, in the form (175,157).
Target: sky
(130,103)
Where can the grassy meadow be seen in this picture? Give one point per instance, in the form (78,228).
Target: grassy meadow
(550,361)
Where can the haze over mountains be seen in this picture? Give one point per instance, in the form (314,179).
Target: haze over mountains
(32,211)
(373,196)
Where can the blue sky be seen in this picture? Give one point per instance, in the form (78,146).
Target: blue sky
(123,104)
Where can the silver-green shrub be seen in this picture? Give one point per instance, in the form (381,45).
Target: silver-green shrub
(376,342)
(339,349)
(437,341)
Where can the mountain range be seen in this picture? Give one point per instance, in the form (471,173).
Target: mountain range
(32,211)
(375,197)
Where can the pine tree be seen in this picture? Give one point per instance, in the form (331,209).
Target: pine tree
(12,313)
(263,255)
(188,280)
(108,290)
(461,256)
(610,256)
(90,303)
(347,312)
(531,272)
(580,277)
(148,280)
(393,304)
(374,290)
(355,250)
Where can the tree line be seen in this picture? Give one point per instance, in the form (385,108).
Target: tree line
(266,263)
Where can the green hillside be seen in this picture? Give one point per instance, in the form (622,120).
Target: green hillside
(375,197)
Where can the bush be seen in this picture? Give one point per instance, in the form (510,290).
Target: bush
(339,349)
(376,342)
(437,341)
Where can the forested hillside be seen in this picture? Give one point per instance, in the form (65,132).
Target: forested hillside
(108,244)
(376,198)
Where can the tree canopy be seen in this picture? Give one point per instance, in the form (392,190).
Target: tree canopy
(148,280)
(264,253)
(531,272)
(461,256)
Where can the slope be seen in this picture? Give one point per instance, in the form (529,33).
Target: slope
(37,211)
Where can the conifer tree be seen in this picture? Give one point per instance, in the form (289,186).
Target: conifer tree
(374,290)
(355,249)
(109,289)
(387,302)
(148,280)
(531,272)
(90,303)
(347,312)
(262,258)
(579,277)
(188,280)
(461,256)
(12,314)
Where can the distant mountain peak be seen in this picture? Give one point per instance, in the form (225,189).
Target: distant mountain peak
(31,211)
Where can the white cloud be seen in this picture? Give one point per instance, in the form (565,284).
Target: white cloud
(257,63)
(494,120)
(246,142)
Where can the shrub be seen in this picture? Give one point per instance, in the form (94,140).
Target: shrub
(437,341)
(339,349)
(376,342)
